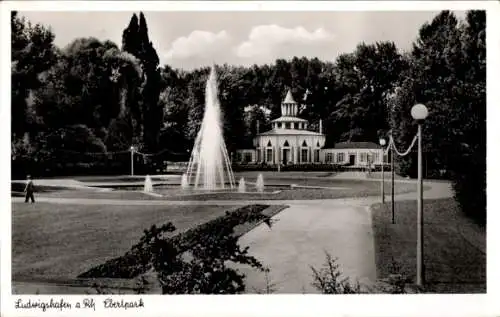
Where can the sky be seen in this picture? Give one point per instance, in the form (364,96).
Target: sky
(193,39)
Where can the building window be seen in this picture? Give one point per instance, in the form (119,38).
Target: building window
(248,157)
(316,156)
(375,157)
(238,157)
(329,158)
(287,125)
(303,157)
(286,143)
(258,154)
(363,158)
(269,155)
(279,125)
(340,157)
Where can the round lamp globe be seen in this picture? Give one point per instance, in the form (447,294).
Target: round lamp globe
(419,112)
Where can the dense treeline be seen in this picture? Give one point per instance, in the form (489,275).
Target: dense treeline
(81,107)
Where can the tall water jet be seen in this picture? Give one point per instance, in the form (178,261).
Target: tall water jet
(259,185)
(209,166)
(148,185)
(184,181)
(241,186)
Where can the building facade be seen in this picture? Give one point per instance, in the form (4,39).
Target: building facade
(290,142)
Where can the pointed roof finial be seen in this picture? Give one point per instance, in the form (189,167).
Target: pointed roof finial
(289,97)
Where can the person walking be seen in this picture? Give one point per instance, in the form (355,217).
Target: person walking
(29,190)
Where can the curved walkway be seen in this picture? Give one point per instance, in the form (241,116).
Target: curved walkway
(301,236)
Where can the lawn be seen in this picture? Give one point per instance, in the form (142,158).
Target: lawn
(58,242)
(454,246)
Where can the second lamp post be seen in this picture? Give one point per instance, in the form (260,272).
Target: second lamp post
(382,185)
(419,113)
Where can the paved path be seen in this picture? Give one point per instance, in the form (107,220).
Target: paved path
(300,237)
(308,229)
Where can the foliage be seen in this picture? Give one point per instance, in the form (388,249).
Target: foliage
(192,262)
(328,279)
(135,41)
(448,74)
(270,286)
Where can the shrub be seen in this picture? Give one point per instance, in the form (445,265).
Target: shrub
(192,262)
(329,280)
(470,192)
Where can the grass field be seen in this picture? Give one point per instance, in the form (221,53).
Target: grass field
(454,246)
(52,241)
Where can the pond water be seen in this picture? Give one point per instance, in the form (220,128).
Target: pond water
(168,189)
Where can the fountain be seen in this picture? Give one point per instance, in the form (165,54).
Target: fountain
(184,181)
(259,185)
(241,186)
(209,164)
(148,185)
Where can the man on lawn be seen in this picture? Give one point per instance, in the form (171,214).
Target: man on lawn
(29,190)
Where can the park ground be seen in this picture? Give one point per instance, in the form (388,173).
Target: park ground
(69,231)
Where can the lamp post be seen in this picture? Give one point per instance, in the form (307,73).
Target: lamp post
(392,185)
(419,113)
(132,149)
(382,144)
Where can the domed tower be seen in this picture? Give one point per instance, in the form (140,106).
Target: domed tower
(289,112)
(289,108)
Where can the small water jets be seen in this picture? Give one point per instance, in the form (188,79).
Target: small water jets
(148,185)
(184,181)
(259,185)
(242,188)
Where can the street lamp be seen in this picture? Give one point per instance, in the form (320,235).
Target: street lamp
(132,149)
(419,113)
(382,144)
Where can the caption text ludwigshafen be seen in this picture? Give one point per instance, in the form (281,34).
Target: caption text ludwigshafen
(88,303)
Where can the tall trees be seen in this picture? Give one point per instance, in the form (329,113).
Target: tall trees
(33,53)
(135,40)
(447,74)
(469,163)
(365,77)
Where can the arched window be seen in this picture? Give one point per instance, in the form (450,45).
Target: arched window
(269,143)
(304,143)
(317,144)
(286,143)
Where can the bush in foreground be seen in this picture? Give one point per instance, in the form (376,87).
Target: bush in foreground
(329,280)
(192,262)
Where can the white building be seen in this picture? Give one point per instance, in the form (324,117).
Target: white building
(290,142)
(353,154)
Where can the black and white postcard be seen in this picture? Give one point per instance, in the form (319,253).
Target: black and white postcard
(332,153)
